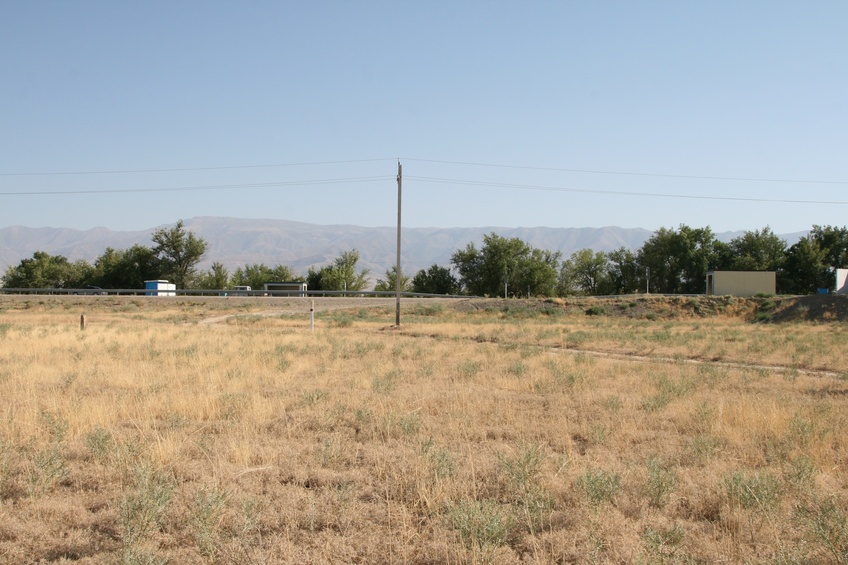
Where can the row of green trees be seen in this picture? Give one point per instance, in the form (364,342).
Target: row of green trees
(174,256)
(671,261)
(341,274)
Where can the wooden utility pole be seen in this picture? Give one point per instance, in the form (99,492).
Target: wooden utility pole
(398,273)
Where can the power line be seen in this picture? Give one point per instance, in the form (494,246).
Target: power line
(621,192)
(200,188)
(465,163)
(627,173)
(182,169)
(435,180)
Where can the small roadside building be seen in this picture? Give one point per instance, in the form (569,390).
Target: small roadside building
(159,288)
(741,283)
(841,281)
(286,288)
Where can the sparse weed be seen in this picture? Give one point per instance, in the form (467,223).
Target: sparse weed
(482,525)
(330,451)
(384,384)
(598,434)
(55,425)
(599,486)
(311,397)
(562,375)
(613,403)
(800,472)
(468,369)
(704,417)
(660,483)
(756,491)
(663,544)
(523,470)
(429,309)
(142,511)
(800,431)
(206,512)
(5,469)
(826,523)
(667,390)
(342,320)
(532,503)
(100,442)
(701,448)
(410,423)
(517,368)
(441,462)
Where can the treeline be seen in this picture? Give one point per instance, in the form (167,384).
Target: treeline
(672,261)
(174,257)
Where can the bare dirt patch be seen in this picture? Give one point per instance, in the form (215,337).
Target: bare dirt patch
(818,308)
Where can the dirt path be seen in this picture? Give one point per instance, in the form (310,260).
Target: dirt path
(639,358)
(700,362)
(296,306)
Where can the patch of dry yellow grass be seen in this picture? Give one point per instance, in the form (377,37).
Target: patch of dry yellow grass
(459,438)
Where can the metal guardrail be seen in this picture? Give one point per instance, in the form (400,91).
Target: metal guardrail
(223,293)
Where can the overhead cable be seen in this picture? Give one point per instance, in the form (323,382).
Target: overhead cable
(628,173)
(619,192)
(182,169)
(199,188)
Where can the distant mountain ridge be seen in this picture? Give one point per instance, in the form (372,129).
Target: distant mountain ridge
(235,242)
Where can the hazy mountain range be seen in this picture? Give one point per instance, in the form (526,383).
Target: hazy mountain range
(236,242)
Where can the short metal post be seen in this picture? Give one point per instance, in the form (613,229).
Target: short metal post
(312,317)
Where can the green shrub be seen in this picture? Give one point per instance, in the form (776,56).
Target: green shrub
(206,512)
(482,525)
(660,483)
(599,485)
(826,523)
(759,491)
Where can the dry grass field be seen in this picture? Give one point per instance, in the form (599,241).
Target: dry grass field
(221,430)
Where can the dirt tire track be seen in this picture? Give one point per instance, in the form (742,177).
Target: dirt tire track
(297,306)
(637,357)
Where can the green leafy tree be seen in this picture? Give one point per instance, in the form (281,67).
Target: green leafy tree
(179,252)
(623,272)
(679,259)
(257,274)
(389,283)
(758,250)
(538,272)
(469,264)
(47,271)
(810,264)
(567,284)
(804,268)
(435,280)
(834,242)
(126,268)
(585,272)
(217,277)
(504,265)
(340,275)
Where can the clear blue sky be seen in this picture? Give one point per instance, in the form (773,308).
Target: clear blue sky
(668,92)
